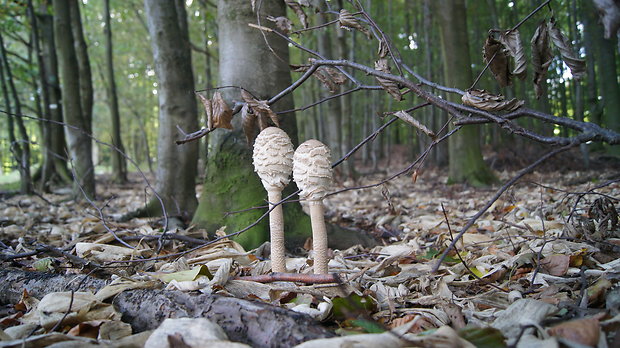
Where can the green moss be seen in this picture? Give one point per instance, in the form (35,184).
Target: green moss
(231,185)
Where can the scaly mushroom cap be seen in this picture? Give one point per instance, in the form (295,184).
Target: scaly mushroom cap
(273,158)
(312,169)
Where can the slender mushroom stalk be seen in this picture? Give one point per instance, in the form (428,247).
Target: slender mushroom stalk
(312,171)
(273,162)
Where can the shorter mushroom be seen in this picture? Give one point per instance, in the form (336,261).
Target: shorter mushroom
(273,162)
(312,171)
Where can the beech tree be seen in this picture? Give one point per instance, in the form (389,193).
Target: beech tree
(78,123)
(119,165)
(176,166)
(465,157)
(259,64)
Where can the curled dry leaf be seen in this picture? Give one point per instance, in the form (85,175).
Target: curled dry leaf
(412,121)
(541,56)
(296,6)
(609,12)
(248,123)
(207,105)
(585,331)
(512,41)
(222,114)
(390,86)
(348,21)
(284,24)
(577,66)
(259,107)
(494,49)
(383,49)
(330,78)
(484,100)
(219,115)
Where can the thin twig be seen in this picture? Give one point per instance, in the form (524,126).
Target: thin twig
(496,196)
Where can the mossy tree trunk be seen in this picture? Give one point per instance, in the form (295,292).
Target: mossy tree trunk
(465,162)
(231,184)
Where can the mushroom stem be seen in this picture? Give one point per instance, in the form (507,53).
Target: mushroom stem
(276,228)
(319,236)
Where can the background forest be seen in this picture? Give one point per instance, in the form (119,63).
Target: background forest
(474,146)
(124,81)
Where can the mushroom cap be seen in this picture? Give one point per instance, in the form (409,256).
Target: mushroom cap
(312,169)
(273,158)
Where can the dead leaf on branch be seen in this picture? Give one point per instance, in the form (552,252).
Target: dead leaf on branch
(282,23)
(484,100)
(390,86)
(541,56)
(383,49)
(512,41)
(348,21)
(494,49)
(248,123)
(219,115)
(577,66)
(222,114)
(412,121)
(609,13)
(259,107)
(206,103)
(329,77)
(296,6)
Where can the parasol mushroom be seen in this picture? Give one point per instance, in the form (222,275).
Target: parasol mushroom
(273,162)
(312,172)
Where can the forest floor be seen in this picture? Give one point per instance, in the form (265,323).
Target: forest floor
(545,256)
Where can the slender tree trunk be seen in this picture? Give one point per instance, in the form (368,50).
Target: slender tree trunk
(78,125)
(21,146)
(85,74)
(55,165)
(176,165)
(605,52)
(119,165)
(332,109)
(231,184)
(466,164)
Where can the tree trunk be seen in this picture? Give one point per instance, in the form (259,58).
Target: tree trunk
(119,165)
(466,164)
(21,146)
(176,165)
(231,184)
(605,52)
(54,165)
(86,80)
(332,109)
(78,126)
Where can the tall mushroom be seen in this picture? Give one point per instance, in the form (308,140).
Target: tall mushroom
(312,172)
(273,162)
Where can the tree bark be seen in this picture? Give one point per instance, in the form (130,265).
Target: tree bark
(78,126)
(465,162)
(86,79)
(252,322)
(605,52)
(119,165)
(20,147)
(54,167)
(176,165)
(231,184)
